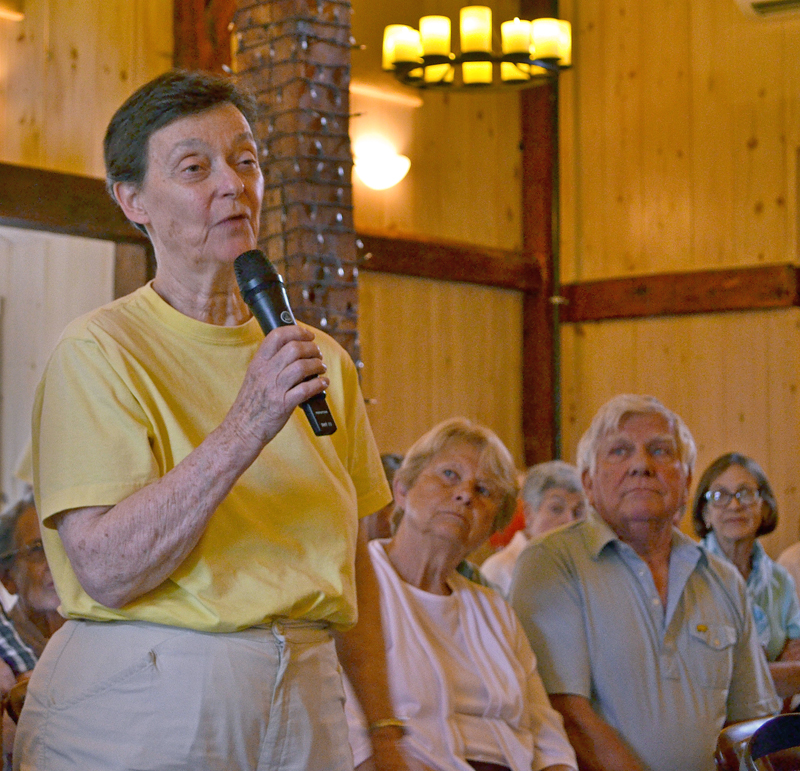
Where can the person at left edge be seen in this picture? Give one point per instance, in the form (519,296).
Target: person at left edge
(204,543)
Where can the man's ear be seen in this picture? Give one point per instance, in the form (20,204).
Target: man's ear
(129,199)
(400,493)
(586,481)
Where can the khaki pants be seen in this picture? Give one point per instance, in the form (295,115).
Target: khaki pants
(134,696)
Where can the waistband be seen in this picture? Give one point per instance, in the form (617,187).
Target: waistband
(298,630)
(289,629)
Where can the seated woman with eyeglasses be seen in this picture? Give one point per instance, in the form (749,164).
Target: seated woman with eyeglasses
(733,506)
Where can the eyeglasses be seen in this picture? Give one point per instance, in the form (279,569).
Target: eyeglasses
(721,498)
(34,552)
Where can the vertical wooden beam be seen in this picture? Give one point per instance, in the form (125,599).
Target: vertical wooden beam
(201,35)
(540,377)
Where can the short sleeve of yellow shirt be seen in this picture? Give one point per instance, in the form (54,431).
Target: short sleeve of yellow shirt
(130,390)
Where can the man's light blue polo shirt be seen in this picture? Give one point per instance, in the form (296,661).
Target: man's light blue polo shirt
(666,680)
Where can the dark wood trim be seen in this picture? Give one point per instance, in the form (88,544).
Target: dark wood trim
(448,261)
(668,294)
(541,401)
(540,336)
(201,38)
(79,206)
(62,203)
(134,266)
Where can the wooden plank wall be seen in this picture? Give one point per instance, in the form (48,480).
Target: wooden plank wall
(63,72)
(438,349)
(435,349)
(66,68)
(680,129)
(44,285)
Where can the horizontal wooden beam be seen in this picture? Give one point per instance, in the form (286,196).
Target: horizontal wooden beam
(672,294)
(449,261)
(62,203)
(74,205)
(80,206)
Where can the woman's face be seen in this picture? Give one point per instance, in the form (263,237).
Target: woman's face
(558,507)
(452,499)
(201,196)
(734,521)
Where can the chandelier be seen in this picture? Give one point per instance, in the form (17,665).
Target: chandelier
(533,52)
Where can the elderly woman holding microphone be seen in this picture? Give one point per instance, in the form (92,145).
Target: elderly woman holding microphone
(462,675)
(203,540)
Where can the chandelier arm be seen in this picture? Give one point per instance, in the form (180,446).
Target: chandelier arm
(402,70)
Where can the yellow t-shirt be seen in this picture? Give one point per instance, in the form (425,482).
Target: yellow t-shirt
(130,390)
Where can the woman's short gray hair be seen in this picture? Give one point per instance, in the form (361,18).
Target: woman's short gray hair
(494,455)
(613,412)
(546,476)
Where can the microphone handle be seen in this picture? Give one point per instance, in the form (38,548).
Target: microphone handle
(270,306)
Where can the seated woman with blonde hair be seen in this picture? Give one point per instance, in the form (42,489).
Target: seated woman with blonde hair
(462,675)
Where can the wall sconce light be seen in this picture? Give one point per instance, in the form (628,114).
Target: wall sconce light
(11,10)
(377,164)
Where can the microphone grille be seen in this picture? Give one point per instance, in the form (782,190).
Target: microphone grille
(254,265)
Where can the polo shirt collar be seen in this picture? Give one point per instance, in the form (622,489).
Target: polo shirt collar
(598,535)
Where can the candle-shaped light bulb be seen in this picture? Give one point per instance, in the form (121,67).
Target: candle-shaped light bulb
(435,33)
(407,45)
(476,29)
(545,38)
(389,33)
(516,36)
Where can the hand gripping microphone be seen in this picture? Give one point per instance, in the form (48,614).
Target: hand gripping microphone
(263,291)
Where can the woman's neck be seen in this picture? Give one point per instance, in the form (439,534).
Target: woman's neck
(212,299)
(739,552)
(421,562)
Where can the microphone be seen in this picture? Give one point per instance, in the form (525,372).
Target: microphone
(263,290)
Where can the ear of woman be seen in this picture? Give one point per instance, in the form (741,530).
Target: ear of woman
(127,196)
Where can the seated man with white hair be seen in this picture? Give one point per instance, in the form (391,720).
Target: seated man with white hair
(25,573)
(646,642)
(552,496)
